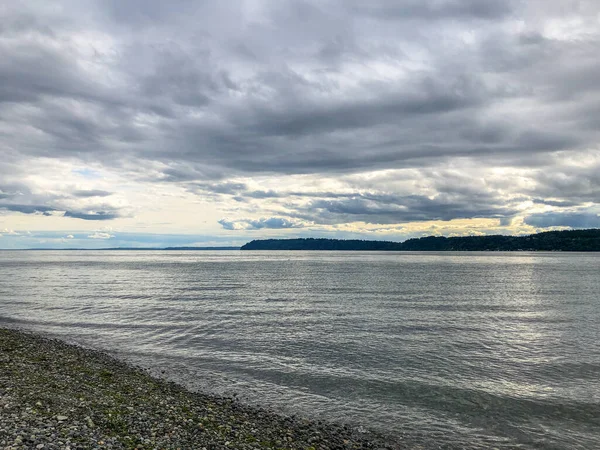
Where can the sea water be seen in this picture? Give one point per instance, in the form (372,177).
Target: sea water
(451,350)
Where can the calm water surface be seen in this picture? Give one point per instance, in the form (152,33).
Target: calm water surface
(472,350)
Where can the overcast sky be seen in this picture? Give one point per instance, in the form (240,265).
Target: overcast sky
(206,122)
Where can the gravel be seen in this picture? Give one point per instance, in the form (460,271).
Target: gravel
(55,395)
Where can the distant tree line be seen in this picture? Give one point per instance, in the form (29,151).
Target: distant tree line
(319,244)
(567,241)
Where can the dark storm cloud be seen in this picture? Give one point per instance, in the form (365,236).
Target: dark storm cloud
(199,93)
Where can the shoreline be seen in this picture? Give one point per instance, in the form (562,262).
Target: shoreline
(55,395)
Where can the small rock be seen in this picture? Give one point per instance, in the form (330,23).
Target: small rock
(61,418)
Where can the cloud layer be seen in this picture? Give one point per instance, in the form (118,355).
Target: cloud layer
(311,114)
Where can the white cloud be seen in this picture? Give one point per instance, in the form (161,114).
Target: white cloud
(101,235)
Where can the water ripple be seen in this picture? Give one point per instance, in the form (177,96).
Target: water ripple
(459,350)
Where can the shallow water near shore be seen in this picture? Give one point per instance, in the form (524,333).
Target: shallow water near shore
(472,350)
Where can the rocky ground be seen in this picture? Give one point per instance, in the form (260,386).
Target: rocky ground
(58,396)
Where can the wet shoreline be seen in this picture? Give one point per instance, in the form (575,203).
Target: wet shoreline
(58,395)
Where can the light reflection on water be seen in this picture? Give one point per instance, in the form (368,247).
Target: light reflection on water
(456,349)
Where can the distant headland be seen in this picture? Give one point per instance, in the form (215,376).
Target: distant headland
(566,241)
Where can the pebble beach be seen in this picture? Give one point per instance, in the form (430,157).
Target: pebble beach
(55,395)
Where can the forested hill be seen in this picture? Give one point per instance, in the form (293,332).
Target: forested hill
(568,241)
(320,244)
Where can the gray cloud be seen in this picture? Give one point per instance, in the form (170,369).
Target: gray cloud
(26,209)
(559,219)
(559,203)
(395,209)
(435,9)
(203,93)
(46,210)
(258,224)
(92,215)
(19,198)
(91,193)
(218,188)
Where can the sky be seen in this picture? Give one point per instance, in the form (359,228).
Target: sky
(151,123)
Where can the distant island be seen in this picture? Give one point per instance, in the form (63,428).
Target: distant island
(566,241)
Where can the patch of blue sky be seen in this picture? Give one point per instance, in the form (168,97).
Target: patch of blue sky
(87,173)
